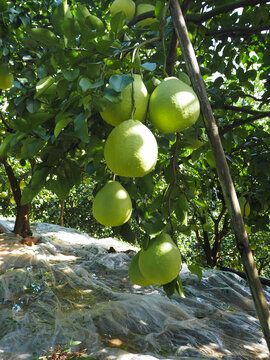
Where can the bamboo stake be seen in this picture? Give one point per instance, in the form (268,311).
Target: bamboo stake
(223,171)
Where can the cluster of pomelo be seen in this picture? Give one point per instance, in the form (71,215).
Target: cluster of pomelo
(159,264)
(130,9)
(131,148)
(131,151)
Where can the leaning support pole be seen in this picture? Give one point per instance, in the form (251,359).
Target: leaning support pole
(223,171)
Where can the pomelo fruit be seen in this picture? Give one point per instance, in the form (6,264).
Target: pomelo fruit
(244,206)
(144,8)
(160,263)
(112,205)
(127,6)
(131,149)
(115,113)
(6,81)
(173,106)
(134,272)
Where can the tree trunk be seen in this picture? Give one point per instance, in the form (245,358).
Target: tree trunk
(22,224)
(223,171)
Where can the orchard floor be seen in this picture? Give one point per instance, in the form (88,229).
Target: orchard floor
(70,287)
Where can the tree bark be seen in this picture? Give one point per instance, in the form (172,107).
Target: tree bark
(22,224)
(223,171)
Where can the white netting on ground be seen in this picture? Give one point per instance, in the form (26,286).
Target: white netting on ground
(69,286)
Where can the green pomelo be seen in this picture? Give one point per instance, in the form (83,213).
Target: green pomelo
(112,205)
(131,149)
(160,263)
(244,206)
(127,6)
(173,106)
(114,114)
(144,8)
(134,272)
(6,81)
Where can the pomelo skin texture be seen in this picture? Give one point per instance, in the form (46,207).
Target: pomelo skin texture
(160,263)
(173,106)
(114,114)
(127,6)
(131,149)
(134,272)
(112,205)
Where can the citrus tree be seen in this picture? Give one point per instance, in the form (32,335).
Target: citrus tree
(59,59)
(73,72)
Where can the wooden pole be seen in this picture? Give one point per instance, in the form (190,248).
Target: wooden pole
(62,213)
(223,171)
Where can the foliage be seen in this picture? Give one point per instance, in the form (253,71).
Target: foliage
(63,55)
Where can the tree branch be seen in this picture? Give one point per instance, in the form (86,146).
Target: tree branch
(240,122)
(199,18)
(174,43)
(146,15)
(240,109)
(234,31)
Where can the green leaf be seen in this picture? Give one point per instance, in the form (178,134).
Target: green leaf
(146,184)
(178,290)
(44,36)
(28,194)
(112,95)
(5,145)
(149,66)
(127,234)
(159,8)
(72,172)
(60,187)
(201,203)
(39,177)
(31,147)
(33,105)
(154,224)
(85,84)
(80,127)
(196,270)
(39,118)
(43,85)
(95,24)
(62,120)
(118,21)
(61,14)
(120,82)
(181,213)
(74,343)
(174,287)
(71,75)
